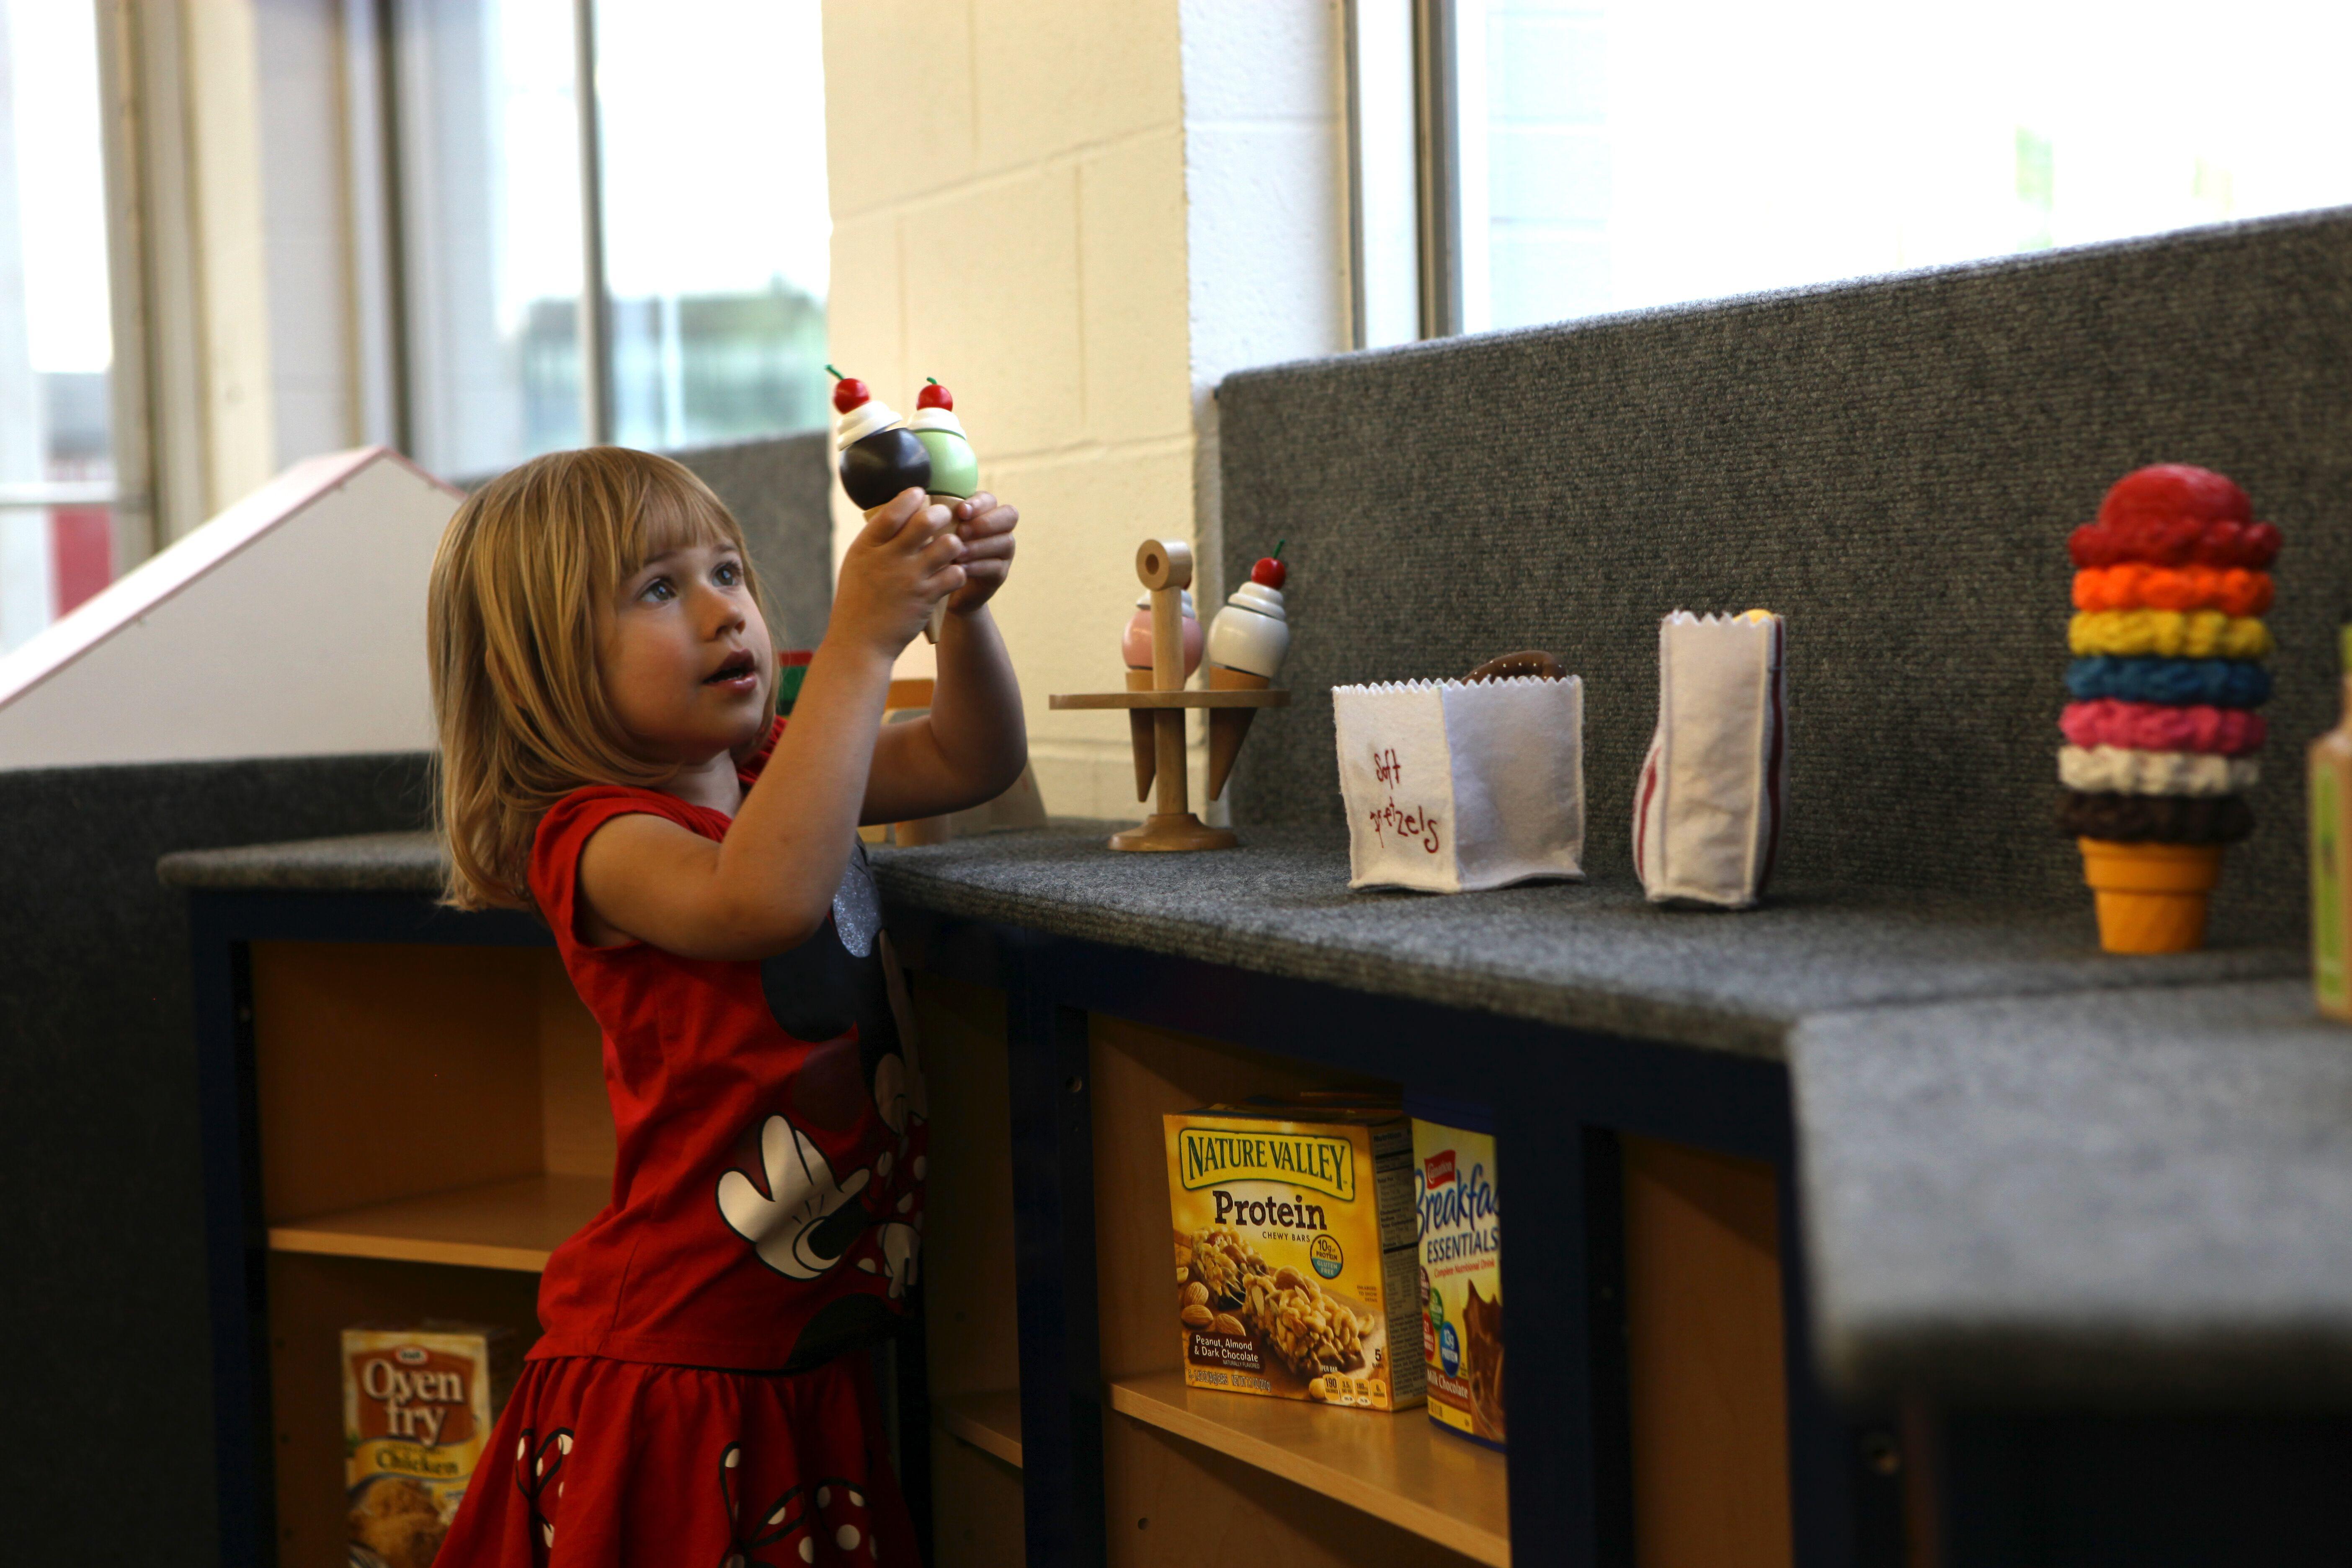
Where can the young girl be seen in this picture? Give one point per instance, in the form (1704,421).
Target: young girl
(610,757)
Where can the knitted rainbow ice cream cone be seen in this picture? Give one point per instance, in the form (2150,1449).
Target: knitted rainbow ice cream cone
(2168,645)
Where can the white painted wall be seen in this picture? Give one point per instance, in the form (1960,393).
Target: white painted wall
(1078,216)
(1008,216)
(291,625)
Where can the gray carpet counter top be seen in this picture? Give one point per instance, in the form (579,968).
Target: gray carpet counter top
(2130,1196)
(1590,956)
(361,863)
(2029,1170)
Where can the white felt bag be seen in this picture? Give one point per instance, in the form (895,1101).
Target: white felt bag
(1707,809)
(1451,787)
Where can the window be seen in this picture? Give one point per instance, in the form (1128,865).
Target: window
(57,459)
(716,234)
(1608,154)
(706,246)
(489,167)
(458,251)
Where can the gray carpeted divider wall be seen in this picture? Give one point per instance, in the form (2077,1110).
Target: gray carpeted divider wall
(780,489)
(102,1239)
(1892,464)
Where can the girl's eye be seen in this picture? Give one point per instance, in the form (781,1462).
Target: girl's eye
(659,590)
(728,574)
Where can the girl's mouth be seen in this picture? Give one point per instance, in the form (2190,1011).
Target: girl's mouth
(739,667)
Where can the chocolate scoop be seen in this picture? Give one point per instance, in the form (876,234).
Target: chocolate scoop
(1528,661)
(877,469)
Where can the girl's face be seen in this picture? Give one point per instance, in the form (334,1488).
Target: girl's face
(685,656)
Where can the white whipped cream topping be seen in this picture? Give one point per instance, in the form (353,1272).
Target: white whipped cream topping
(2100,769)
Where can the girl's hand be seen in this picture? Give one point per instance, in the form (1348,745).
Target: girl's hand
(986,525)
(900,565)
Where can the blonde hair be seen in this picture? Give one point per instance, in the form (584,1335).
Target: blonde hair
(511,622)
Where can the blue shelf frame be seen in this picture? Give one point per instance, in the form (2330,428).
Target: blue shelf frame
(1566,1093)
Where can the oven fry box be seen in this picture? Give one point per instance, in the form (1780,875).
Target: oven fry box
(1298,1254)
(1453,786)
(419,1405)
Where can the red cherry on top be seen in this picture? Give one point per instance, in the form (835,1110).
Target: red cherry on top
(934,395)
(849,392)
(1270,573)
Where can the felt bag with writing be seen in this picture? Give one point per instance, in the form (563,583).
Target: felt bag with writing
(1451,787)
(1707,809)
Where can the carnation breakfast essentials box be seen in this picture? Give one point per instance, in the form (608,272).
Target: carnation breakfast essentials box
(1460,1268)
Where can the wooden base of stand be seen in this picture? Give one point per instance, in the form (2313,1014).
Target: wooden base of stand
(1173,831)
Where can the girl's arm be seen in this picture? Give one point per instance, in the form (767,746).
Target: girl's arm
(974,743)
(767,885)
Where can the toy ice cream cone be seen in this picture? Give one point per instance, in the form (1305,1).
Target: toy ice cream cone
(879,457)
(2161,733)
(2151,897)
(1246,644)
(955,470)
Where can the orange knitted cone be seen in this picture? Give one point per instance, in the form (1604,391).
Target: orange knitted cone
(2151,897)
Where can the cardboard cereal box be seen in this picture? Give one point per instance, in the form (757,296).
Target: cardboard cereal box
(1461,1274)
(1294,1251)
(418,1404)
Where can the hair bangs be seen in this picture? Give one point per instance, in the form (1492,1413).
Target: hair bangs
(675,512)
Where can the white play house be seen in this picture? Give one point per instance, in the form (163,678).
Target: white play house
(292,623)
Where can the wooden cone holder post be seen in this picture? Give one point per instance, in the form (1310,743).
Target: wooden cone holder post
(1165,567)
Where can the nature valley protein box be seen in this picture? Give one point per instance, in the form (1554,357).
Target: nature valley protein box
(1461,1268)
(1296,1259)
(418,1404)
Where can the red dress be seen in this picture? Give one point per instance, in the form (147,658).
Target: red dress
(701,1396)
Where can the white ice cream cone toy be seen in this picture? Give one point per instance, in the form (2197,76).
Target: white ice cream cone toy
(1246,644)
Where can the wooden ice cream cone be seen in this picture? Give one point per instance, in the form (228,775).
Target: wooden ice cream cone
(1138,732)
(1228,727)
(937,622)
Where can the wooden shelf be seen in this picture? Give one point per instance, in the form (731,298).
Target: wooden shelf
(1261,698)
(989,1422)
(1396,1468)
(496,1225)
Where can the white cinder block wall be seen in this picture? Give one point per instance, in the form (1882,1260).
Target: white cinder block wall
(1078,216)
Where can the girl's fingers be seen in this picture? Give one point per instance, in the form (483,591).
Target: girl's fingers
(947,547)
(998,548)
(996,520)
(925,529)
(884,522)
(943,581)
(973,505)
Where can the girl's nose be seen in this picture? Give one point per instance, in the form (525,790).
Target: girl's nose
(719,613)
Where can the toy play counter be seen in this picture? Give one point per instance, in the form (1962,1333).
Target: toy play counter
(2032,1184)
